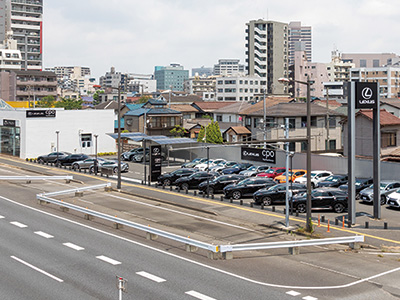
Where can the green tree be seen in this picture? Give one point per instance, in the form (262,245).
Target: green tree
(47,101)
(178,130)
(69,104)
(96,97)
(143,99)
(210,134)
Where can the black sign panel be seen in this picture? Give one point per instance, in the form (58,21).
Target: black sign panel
(256,154)
(155,162)
(9,123)
(46,113)
(366,95)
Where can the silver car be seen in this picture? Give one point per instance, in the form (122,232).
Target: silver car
(110,164)
(386,187)
(85,164)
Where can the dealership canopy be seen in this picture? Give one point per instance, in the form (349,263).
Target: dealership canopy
(158,139)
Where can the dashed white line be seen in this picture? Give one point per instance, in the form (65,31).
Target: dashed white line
(44,234)
(199,296)
(309,298)
(293,293)
(37,269)
(73,246)
(109,260)
(151,276)
(18,224)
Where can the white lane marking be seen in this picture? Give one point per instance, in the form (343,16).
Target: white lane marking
(309,298)
(199,296)
(293,293)
(182,213)
(73,246)
(151,276)
(2,217)
(44,234)
(109,260)
(204,265)
(37,269)
(128,179)
(18,224)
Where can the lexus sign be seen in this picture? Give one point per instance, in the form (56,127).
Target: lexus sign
(366,94)
(257,154)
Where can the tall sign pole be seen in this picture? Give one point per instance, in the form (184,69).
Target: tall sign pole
(351,155)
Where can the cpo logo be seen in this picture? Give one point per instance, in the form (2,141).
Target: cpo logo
(268,153)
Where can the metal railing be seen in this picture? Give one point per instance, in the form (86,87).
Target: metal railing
(292,244)
(77,190)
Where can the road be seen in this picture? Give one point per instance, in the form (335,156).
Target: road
(318,273)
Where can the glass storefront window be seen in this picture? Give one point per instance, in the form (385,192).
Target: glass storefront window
(10,140)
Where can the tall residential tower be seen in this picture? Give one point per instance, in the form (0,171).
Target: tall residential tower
(267,53)
(299,34)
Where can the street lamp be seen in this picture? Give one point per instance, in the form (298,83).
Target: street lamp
(95,150)
(308,83)
(57,132)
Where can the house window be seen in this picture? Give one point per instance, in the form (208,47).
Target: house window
(303,146)
(332,122)
(313,121)
(331,145)
(219,118)
(86,140)
(292,123)
(388,139)
(292,146)
(248,121)
(255,122)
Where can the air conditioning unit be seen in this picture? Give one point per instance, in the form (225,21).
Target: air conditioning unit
(164,125)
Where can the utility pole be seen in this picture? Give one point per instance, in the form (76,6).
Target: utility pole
(287,173)
(327,146)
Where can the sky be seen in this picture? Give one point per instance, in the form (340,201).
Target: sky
(135,36)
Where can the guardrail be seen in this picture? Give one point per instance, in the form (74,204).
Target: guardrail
(215,251)
(68,178)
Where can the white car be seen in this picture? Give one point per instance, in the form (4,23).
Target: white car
(316,176)
(393,199)
(212,163)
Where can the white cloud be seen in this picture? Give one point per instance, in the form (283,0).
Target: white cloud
(135,36)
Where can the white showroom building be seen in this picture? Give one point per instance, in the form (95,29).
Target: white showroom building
(28,133)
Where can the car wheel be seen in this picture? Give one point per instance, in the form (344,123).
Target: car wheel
(57,163)
(301,208)
(312,185)
(41,161)
(210,191)
(132,158)
(115,170)
(358,197)
(236,195)
(167,182)
(338,208)
(91,169)
(383,200)
(75,167)
(185,186)
(267,201)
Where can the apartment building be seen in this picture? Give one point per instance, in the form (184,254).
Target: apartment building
(22,21)
(267,46)
(201,86)
(10,60)
(66,71)
(238,88)
(301,34)
(387,77)
(170,77)
(228,67)
(370,60)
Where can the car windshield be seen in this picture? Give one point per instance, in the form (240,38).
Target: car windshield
(333,178)
(274,188)
(253,168)
(245,181)
(382,186)
(230,164)
(270,171)
(289,173)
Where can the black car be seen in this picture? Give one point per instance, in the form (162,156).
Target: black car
(68,160)
(332,198)
(193,181)
(236,168)
(333,181)
(217,184)
(169,178)
(52,157)
(246,187)
(360,184)
(277,193)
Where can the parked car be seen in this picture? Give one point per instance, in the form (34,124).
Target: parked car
(334,180)
(386,187)
(86,163)
(360,184)
(51,157)
(254,170)
(209,164)
(194,162)
(235,169)
(217,184)
(393,199)
(292,175)
(277,193)
(110,164)
(193,181)
(69,159)
(128,155)
(246,187)
(316,176)
(272,172)
(223,165)
(170,177)
(332,198)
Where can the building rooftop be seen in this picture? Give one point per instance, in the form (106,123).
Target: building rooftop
(386,118)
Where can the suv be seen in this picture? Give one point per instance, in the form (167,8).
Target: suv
(131,153)
(216,185)
(316,176)
(333,198)
(277,193)
(170,178)
(333,181)
(246,187)
(292,175)
(68,160)
(272,172)
(386,188)
(52,157)
(193,181)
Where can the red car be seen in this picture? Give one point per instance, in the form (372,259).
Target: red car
(272,172)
